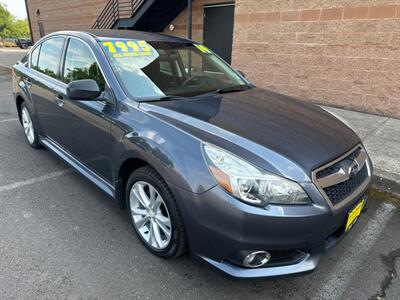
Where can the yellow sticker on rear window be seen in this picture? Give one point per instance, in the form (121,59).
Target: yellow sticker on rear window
(128,48)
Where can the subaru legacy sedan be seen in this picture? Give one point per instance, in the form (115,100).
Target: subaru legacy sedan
(252,182)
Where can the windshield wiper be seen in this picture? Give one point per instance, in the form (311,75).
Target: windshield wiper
(231,89)
(162,98)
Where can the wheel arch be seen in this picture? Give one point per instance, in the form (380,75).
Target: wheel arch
(126,168)
(18,102)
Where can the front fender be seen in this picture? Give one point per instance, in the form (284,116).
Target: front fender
(175,154)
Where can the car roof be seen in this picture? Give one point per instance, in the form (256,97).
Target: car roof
(126,34)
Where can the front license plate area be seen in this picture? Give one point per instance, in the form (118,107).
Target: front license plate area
(353,214)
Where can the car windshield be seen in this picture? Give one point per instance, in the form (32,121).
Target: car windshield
(150,70)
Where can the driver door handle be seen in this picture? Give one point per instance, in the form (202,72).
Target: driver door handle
(59,100)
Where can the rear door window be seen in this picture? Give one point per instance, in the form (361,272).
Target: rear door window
(50,55)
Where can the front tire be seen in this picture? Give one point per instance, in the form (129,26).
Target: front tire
(154,214)
(29,127)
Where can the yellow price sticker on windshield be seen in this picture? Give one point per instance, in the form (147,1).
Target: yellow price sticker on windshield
(128,48)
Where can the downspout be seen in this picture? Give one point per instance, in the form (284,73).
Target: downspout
(29,20)
(190,18)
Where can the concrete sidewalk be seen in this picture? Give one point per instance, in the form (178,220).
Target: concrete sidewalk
(381,137)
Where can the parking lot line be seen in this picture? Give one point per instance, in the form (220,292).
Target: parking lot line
(343,272)
(9,120)
(20,184)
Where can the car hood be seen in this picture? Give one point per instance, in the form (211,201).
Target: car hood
(288,128)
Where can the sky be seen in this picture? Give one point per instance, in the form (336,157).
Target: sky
(16,7)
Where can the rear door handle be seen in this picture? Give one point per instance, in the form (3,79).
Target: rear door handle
(59,100)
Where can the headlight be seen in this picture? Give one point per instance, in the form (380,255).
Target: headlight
(249,183)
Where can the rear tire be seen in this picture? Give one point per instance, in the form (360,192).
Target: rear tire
(154,214)
(29,127)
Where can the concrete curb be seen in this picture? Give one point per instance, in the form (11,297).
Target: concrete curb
(385,184)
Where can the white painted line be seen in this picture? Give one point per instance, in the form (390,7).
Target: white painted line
(9,120)
(344,271)
(7,94)
(16,185)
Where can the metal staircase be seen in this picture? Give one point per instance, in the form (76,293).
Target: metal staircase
(145,15)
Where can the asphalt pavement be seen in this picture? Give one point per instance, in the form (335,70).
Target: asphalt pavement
(9,56)
(60,237)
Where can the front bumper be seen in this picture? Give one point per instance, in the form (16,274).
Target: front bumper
(219,226)
(308,264)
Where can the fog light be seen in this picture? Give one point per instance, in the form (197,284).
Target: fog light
(256,259)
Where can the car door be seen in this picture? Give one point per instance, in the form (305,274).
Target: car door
(86,129)
(43,75)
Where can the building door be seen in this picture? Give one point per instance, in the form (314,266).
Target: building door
(218,29)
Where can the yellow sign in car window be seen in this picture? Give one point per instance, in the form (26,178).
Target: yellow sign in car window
(203,48)
(128,48)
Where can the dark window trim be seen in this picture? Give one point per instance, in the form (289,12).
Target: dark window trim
(30,56)
(63,56)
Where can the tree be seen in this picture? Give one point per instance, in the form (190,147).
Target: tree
(10,27)
(20,29)
(6,20)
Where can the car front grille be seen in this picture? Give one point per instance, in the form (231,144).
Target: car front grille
(341,191)
(339,180)
(336,166)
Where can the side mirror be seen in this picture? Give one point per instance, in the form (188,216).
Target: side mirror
(86,89)
(241,73)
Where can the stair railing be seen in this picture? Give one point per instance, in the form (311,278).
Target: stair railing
(115,10)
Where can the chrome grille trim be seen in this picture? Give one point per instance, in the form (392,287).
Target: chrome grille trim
(342,175)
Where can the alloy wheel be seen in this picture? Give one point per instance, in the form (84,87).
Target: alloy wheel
(150,215)
(28,125)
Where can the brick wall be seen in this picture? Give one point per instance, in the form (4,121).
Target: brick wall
(344,53)
(339,52)
(64,15)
